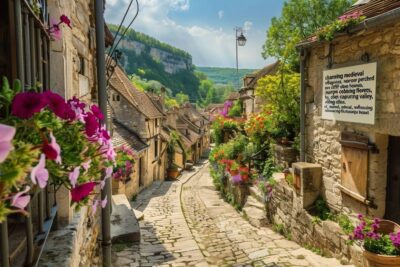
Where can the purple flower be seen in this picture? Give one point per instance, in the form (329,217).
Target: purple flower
(236,179)
(80,192)
(26,104)
(86,165)
(6,135)
(39,174)
(20,200)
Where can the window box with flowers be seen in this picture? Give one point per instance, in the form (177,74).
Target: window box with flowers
(48,140)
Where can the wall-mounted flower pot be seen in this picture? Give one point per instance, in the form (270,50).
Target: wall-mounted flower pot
(377,260)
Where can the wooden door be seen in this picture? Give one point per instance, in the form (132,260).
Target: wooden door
(141,178)
(393,180)
(355,170)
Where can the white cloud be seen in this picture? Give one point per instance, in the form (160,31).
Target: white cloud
(247,26)
(209,46)
(220,14)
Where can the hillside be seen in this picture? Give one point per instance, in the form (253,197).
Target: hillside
(224,75)
(151,59)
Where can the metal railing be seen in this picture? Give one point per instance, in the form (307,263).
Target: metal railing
(23,237)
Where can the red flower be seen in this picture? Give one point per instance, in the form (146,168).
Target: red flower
(97,112)
(80,192)
(49,151)
(56,103)
(64,19)
(92,124)
(26,104)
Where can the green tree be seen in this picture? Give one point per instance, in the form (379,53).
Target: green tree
(181,98)
(299,19)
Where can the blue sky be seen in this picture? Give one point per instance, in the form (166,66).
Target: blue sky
(204,28)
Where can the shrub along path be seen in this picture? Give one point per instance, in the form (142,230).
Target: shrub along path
(186,223)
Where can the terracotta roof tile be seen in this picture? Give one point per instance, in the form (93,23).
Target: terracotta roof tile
(374,7)
(121,83)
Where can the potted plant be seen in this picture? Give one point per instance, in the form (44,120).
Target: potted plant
(173,170)
(380,240)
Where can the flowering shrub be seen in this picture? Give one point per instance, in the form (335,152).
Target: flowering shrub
(125,160)
(45,139)
(367,231)
(266,186)
(223,125)
(327,33)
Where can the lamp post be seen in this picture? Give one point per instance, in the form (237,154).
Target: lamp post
(240,41)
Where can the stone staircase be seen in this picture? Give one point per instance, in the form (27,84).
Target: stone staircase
(254,209)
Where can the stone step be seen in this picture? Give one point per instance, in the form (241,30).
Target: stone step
(253,202)
(255,216)
(256,193)
(138,214)
(124,225)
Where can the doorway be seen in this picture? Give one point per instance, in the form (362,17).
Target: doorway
(393,180)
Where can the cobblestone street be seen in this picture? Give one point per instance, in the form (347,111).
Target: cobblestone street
(186,223)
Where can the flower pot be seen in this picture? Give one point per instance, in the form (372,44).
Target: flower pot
(377,260)
(172,173)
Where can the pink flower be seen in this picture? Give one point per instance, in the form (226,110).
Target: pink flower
(52,150)
(64,19)
(73,176)
(109,172)
(40,174)
(26,104)
(104,202)
(98,203)
(92,124)
(77,107)
(57,104)
(86,165)
(82,191)
(6,135)
(20,200)
(97,112)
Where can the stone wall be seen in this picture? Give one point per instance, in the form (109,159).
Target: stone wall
(73,245)
(284,156)
(323,136)
(284,208)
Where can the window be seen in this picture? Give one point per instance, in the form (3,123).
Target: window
(115,97)
(156,148)
(156,122)
(81,66)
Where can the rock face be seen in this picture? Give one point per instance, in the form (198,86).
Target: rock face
(124,225)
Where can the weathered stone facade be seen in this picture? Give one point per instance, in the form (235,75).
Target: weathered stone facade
(323,136)
(284,156)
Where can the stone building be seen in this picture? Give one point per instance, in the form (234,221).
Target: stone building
(136,111)
(351,137)
(251,102)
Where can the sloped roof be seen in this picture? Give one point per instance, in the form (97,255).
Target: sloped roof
(233,96)
(192,113)
(253,78)
(213,106)
(164,133)
(121,83)
(122,135)
(374,7)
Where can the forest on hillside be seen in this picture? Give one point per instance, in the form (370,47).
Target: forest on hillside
(224,75)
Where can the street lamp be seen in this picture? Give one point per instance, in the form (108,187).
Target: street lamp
(240,41)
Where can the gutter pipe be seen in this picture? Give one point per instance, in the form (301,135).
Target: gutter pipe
(102,99)
(303,56)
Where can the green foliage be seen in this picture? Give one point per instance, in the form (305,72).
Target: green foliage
(299,19)
(224,75)
(281,94)
(322,210)
(345,223)
(211,93)
(175,141)
(269,168)
(236,110)
(289,179)
(328,32)
(181,98)
(382,245)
